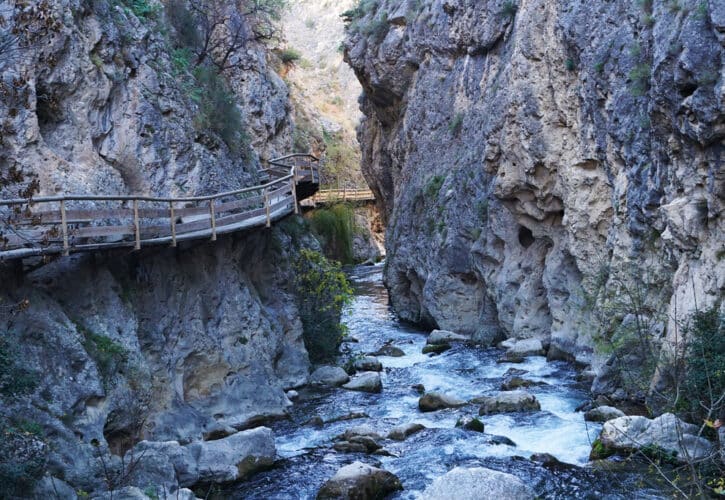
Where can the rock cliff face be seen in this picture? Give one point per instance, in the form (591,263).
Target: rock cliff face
(529,154)
(187,345)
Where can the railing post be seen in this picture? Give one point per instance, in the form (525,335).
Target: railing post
(213,219)
(136,226)
(266,206)
(294,189)
(64,228)
(172,217)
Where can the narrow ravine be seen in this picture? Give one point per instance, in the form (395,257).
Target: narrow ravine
(307,459)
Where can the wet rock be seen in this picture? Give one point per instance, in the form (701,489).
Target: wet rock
(470,424)
(365,382)
(357,444)
(218,432)
(503,440)
(234,457)
(666,433)
(389,350)
(518,383)
(524,348)
(510,358)
(359,481)
(602,414)
(505,402)
(586,376)
(476,484)
(368,364)
(514,372)
(329,375)
(400,432)
(291,395)
(359,430)
(419,388)
(433,401)
(315,421)
(550,461)
(445,337)
(557,353)
(348,416)
(435,348)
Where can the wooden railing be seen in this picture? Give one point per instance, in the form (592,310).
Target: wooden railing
(327,196)
(75,223)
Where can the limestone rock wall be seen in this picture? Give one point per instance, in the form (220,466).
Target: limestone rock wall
(529,153)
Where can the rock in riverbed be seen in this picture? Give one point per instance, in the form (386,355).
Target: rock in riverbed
(365,382)
(368,364)
(389,350)
(602,414)
(445,337)
(523,348)
(432,401)
(359,481)
(400,432)
(470,424)
(505,402)
(515,383)
(666,432)
(477,483)
(435,348)
(329,375)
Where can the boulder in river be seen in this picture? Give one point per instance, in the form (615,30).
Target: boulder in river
(515,383)
(524,348)
(359,481)
(602,414)
(359,430)
(435,348)
(470,424)
(400,432)
(432,401)
(234,457)
(389,350)
(367,364)
(365,382)
(505,402)
(664,434)
(329,375)
(477,483)
(445,337)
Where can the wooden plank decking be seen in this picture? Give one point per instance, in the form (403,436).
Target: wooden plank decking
(80,223)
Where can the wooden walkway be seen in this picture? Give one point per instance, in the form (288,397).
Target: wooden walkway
(330,196)
(48,225)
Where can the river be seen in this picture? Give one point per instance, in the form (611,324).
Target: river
(307,458)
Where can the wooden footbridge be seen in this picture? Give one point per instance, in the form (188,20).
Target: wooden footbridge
(48,225)
(331,196)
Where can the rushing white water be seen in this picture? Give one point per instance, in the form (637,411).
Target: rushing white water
(464,372)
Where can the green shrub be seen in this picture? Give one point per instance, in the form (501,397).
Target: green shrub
(509,9)
(321,291)
(181,59)
(336,227)
(15,379)
(377,29)
(23,459)
(219,111)
(570,65)
(141,8)
(434,186)
(640,77)
(289,56)
(184,24)
(454,127)
(109,355)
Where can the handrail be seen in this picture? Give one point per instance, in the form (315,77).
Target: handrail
(61,228)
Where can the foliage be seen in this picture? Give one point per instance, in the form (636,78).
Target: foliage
(704,378)
(336,227)
(109,355)
(363,8)
(456,123)
(181,59)
(640,76)
(219,111)
(377,29)
(23,458)
(141,8)
(570,65)
(509,9)
(289,56)
(15,379)
(184,23)
(342,161)
(321,290)
(434,186)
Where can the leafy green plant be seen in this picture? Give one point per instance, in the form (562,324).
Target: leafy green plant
(141,8)
(289,55)
(599,67)
(640,77)
(377,29)
(15,379)
(219,111)
(109,355)
(509,10)
(434,186)
(336,227)
(321,291)
(454,127)
(570,65)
